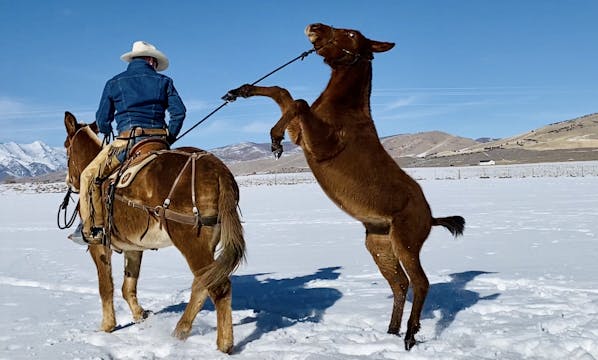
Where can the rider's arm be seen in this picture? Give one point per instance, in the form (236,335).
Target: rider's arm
(105,113)
(176,110)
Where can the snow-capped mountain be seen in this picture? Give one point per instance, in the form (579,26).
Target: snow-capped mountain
(250,151)
(24,160)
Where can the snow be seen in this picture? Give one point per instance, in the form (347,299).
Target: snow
(520,284)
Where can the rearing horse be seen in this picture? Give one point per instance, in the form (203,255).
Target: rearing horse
(206,191)
(342,148)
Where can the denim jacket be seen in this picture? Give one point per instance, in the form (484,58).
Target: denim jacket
(139,97)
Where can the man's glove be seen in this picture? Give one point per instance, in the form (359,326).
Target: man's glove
(170,139)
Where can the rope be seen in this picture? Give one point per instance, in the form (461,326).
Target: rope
(300,57)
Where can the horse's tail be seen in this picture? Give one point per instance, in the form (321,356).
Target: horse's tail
(455,224)
(232,243)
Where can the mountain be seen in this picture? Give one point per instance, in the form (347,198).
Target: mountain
(246,151)
(575,139)
(28,160)
(570,140)
(400,147)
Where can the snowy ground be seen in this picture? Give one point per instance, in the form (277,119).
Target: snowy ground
(521,284)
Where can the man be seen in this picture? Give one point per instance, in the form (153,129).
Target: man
(137,100)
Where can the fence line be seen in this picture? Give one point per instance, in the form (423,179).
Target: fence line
(569,169)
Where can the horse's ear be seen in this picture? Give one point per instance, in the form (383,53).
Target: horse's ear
(94,127)
(70,122)
(380,46)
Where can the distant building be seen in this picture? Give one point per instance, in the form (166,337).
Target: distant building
(487,162)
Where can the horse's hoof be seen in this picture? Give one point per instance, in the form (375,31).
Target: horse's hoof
(181,332)
(410,339)
(226,348)
(276,149)
(108,327)
(409,343)
(232,95)
(393,331)
(144,315)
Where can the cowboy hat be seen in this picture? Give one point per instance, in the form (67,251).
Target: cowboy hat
(142,48)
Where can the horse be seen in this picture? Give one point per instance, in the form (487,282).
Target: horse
(343,150)
(168,202)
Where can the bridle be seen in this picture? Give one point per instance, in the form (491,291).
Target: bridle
(69,151)
(355,56)
(67,221)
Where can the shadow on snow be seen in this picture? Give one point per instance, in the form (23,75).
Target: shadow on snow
(277,303)
(450,298)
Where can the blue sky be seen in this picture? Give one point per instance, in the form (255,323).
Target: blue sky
(475,68)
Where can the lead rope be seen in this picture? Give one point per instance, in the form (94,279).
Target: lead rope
(300,57)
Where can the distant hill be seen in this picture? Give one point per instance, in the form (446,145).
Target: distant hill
(570,140)
(424,144)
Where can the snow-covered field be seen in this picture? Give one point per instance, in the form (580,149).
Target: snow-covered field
(521,284)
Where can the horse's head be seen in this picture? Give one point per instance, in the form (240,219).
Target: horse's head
(343,46)
(82,145)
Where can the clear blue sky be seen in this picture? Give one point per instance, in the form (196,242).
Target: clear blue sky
(472,68)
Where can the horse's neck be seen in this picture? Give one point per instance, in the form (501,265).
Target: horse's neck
(350,87)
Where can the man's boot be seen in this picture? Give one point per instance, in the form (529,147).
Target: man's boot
(94,237)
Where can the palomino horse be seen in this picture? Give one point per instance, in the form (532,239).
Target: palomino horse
(342,148)
(142,219)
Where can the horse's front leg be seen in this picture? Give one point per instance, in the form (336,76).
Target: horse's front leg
(129,288)
(102,257)
(289,108)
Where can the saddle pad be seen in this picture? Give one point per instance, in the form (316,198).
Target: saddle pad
(129,173)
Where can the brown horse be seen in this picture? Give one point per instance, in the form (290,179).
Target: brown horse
(341,146)
(139,223)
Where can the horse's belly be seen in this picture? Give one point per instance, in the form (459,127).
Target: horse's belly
(154,238)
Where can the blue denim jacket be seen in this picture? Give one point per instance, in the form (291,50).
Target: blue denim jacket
(139,97)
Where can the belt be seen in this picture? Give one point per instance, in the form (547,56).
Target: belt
(142,132)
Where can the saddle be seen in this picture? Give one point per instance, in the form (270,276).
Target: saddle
(139,156)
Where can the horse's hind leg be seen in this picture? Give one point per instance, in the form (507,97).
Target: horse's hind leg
(407,242)
(129,288)
(380,248)
(198,253)
(199,294)
(102,257)
(222,297)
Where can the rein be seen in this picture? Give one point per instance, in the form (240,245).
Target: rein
(300,57)
(62,209)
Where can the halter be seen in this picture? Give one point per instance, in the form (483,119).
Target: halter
(355,56)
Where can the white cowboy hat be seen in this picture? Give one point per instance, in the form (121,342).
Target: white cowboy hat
(142,48)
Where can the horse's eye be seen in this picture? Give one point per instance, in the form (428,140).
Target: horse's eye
(351,34)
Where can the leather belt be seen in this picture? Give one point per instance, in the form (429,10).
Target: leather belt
(142,132)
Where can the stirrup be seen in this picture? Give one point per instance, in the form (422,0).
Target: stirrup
(96,237)
(77,236)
